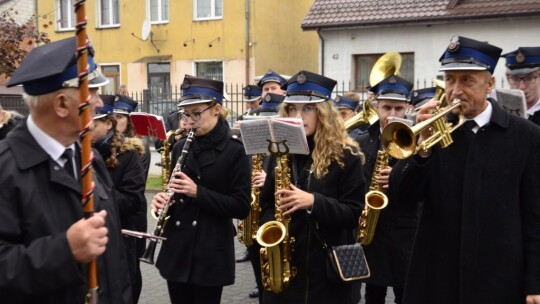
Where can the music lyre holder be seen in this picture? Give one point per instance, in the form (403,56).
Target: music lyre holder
(273,147)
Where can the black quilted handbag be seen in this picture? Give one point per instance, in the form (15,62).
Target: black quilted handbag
(346,263)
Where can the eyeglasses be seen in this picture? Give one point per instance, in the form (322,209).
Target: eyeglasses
(195,116)
(307,109)
(529,79)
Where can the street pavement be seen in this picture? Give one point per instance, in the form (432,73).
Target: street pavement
(154,290)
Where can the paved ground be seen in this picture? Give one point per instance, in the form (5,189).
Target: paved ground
(155,288)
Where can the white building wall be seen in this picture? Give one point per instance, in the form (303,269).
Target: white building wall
(426,42)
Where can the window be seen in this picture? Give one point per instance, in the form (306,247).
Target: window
(66,15)
(209,70)
(159,84)
(208,9)
(112,72)
(109,13)
(364,63)
(159,11)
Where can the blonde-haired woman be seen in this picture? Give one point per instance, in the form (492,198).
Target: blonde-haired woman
(326,193)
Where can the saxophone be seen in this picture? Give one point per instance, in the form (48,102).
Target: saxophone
(375,201)
(276,270)
(247,228)
(148,255)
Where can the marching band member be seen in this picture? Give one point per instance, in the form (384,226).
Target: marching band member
(211,189)
(389,252)
(45,242)
(272,82)
(327,189)
(522,73)
(123,160)
(478,239)
(347,105)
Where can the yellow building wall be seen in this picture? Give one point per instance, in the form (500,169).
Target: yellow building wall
(279,43)
(277,40)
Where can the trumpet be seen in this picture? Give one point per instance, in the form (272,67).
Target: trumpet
(399,140)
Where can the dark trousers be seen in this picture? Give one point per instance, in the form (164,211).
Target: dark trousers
(181,293)
(377,294)
(255,258)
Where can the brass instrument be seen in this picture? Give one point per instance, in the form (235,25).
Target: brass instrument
(375,201)
(247,228)
(276,270)
(387,65)
(399,140)
(148,256)
(368,115)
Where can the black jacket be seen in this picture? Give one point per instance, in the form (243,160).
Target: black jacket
(339,198)
(389,253)
(478,238)
(199,248)
(39,201)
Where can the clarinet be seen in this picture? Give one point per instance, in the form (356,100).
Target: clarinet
(148,256)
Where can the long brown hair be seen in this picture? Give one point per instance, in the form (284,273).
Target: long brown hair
(116,141)
(331,139)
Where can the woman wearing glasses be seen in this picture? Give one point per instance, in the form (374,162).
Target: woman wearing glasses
(211,189)
(326,193)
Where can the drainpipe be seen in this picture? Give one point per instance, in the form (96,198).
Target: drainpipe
(247,42)
(322,50)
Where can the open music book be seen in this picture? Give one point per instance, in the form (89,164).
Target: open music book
(513,101)
(256,133)
(148,125)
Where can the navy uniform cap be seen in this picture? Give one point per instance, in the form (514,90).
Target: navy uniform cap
(251,92)
(124,104)
(524,60)
(270,104)
(422,96)
(468,54)
(342,102)
(53,66)
(108,106)
(271,76)
(308,87)
(199,90)
(393,88)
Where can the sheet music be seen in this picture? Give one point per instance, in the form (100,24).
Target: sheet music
(148,124)
(256,133)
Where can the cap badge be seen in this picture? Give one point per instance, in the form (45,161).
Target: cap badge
(392,80)
(454,44)
(415,94)
(185,84)
(301,78)
(520,57)
(337,100)
(267,97)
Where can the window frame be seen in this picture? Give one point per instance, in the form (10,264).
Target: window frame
(116,76)
(196,73)
(212,11)
(159,12)
(407,60)
(71,23)
(111,15)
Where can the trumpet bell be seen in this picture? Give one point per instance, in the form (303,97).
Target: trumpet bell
(398,140)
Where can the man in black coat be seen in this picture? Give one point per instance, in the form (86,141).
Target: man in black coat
(45,242)
(478,239)
(522,73)
(389,251)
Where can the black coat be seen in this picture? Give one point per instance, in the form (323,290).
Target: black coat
(339,198)
(535,117)
(389,253)
(39,201)
(200,233)
(478,239)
